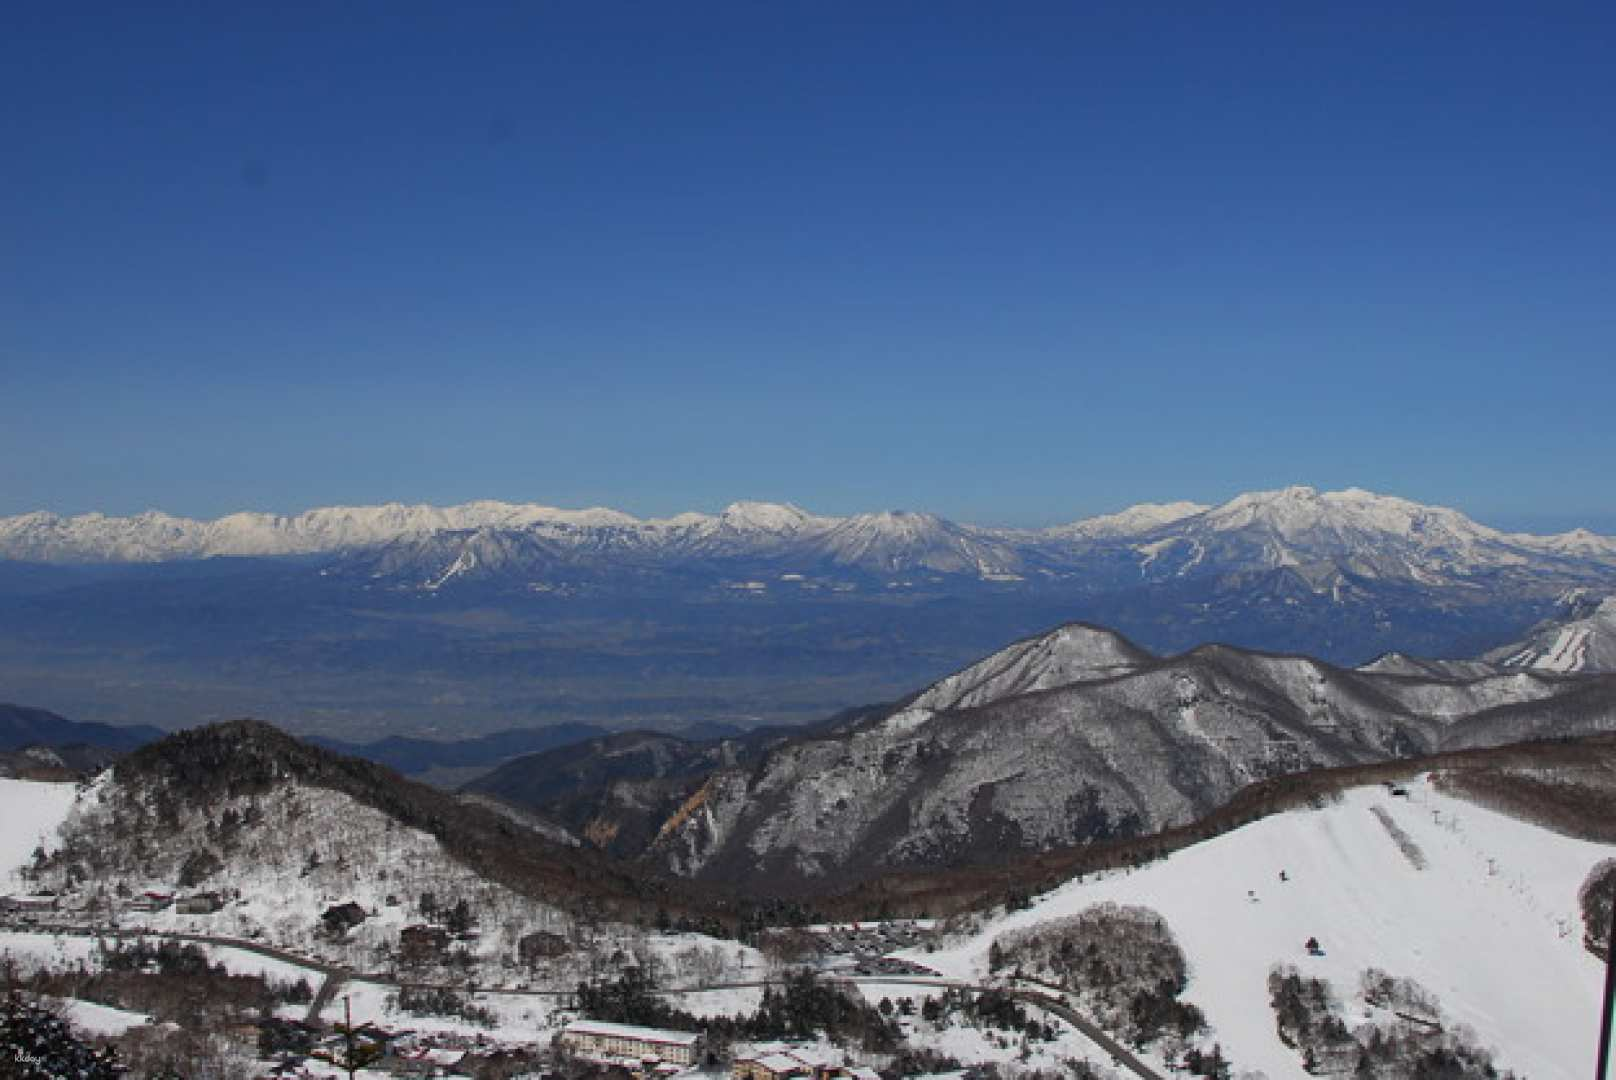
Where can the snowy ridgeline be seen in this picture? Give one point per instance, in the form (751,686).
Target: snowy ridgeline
(1426,910)
(1296,517)
(286,857)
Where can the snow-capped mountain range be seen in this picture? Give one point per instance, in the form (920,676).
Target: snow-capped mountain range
(369,617)
(1322,535)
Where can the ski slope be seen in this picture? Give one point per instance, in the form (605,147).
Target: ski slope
(1491,925)
(30,814)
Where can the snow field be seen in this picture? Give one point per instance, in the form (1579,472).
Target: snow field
(34,951)
(93,1019)
(30,814)
(62,951)
(970,1044)
(739,1001)
(243,962)
(1492,927)
(519,1018)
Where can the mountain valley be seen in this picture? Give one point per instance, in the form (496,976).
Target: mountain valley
(1372,885)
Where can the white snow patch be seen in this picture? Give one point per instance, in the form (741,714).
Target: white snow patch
(30,814)
(49,951)
(93,1019)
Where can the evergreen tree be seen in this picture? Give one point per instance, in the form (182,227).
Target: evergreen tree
(357,1052)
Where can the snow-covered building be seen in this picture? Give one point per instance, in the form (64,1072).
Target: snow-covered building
(775,1061)
(593,1038)
(775,1066)
(149,902)
(205,903)
(44,902)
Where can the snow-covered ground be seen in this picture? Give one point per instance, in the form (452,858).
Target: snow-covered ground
(60,951)
(93,1019)
(49,951)
(243,962)
(30,814)
(518,1018)
(1491,926)
(972,1043)
(740,1001)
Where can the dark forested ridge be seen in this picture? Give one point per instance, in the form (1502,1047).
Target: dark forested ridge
(206,765)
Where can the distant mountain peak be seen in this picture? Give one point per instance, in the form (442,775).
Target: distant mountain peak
(1069,654)
(764,517)
(1299,506)
(1141,518)
(897,521)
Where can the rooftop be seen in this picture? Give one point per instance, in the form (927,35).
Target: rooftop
(632,1031)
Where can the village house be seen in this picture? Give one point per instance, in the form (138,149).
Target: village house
(539,946)
(774,1066)
(421,942)
(42,902)
(150,902)
(778,1061)
(207,903)
(594,1039)
(434,1061)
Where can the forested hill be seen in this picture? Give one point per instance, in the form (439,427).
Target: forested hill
(210,766)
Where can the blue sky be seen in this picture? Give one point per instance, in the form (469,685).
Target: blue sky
(1012,263)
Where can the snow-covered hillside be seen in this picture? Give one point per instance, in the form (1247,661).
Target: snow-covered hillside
(1585,643)
(30,814)
(318,848)
(1070,654)
(1078,736)
(1396,663)
(310,848)
(1479,908)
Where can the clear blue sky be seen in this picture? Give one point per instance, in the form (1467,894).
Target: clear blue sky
(1012,263)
